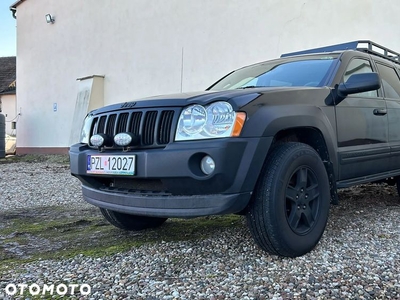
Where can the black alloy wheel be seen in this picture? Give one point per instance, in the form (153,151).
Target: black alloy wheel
(290,204)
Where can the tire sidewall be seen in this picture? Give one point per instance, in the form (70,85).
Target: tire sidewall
(302,157)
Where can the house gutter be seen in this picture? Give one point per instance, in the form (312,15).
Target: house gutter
(13,8)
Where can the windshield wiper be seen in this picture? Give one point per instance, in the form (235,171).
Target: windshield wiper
(249,87)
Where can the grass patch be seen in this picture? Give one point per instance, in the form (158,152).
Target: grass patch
(56,232)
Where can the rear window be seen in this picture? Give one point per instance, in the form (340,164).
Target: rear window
(305,72)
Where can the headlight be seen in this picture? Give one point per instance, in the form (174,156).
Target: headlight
(221,118)
(193,119)
(216,120)
(85,132)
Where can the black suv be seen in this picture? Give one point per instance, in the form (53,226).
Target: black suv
(273,141)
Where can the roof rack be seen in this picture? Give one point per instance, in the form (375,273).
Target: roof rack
(362,45)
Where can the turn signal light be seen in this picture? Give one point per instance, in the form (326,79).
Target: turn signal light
(239,122)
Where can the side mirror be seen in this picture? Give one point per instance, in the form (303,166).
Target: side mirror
(358,83)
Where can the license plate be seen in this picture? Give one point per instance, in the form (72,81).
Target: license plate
(111,164)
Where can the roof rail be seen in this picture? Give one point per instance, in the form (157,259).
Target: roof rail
(361,45)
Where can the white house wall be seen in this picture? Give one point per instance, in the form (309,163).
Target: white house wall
(150,47)
(9,110)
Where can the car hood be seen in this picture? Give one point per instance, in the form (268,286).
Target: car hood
(237,98)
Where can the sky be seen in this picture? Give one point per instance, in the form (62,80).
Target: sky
(8,30)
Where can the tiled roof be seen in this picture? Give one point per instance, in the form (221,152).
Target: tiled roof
(8,74)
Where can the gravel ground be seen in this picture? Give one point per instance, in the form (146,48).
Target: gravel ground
(357,258)
(25,185)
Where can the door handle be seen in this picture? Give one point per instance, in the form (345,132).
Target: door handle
(380,111)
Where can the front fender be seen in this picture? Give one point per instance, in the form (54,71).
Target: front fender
(267,121)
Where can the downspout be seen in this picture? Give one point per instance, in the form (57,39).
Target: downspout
(13,8)
(14,12)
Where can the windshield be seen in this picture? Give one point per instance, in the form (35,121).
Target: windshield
(305,72)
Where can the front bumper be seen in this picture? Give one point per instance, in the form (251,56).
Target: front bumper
(167,205)
(180,189)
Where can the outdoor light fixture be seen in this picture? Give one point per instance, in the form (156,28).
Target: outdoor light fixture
(49,19)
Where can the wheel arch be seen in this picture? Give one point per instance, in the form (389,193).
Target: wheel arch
(311,125)
(273,121)
(313,137)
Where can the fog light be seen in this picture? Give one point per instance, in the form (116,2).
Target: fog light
(100,140)
(207,165)
(97,140)
(123,139)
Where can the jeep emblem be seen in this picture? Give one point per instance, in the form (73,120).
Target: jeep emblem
(128,105)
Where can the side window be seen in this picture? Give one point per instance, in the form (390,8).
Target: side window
(390,81)
(357,66)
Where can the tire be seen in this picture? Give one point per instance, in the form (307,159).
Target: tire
(131,222)
(290,205)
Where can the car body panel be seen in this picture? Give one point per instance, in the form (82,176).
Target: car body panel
(360,145)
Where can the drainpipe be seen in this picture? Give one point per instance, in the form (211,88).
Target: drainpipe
(14,11)
(13,8)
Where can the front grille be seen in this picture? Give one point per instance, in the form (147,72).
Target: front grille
(139,185)
(149,125)
(142,187)
(152,126)
(166,121)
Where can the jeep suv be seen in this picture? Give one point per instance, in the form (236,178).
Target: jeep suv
(273,141)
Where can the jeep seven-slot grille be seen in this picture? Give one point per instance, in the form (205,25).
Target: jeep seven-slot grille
(153,126)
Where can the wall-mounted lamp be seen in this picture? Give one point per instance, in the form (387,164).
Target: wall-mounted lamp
(49,19)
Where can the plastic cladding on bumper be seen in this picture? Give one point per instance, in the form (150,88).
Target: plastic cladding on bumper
(168,205)
(188,191)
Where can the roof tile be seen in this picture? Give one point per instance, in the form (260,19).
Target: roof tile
(8,74)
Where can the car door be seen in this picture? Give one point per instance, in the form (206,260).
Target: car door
(362,129)
(391,88)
